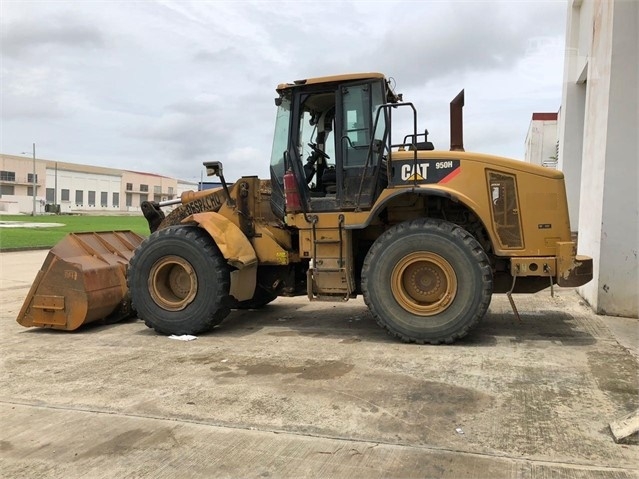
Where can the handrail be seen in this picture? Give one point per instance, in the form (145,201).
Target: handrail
(388,106)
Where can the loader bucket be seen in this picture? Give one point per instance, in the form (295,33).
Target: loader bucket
(83,279)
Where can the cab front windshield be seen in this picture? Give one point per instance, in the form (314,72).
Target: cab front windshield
(280,138)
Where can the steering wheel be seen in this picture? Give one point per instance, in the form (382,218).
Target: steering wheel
(315,149)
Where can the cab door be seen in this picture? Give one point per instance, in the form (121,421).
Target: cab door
(360,175)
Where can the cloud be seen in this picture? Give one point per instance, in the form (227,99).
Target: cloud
(195,129)
(62,31)
(216,56)
(43,54)
(462,38)
(166,85)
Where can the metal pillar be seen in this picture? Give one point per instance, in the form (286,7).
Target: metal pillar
(34,182)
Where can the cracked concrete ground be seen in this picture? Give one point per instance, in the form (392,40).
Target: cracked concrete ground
(303,389)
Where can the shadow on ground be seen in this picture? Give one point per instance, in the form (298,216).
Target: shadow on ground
(354,323)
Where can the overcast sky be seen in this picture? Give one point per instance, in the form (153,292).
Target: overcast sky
(161,86)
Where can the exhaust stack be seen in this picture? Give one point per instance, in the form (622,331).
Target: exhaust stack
(457,123)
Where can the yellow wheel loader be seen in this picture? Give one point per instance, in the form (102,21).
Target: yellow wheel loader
(352,207)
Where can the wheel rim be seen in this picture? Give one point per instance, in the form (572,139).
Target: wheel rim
(173,283)
(424,283)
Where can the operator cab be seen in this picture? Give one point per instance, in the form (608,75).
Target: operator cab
(329,134)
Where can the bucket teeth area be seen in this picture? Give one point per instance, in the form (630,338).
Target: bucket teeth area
(82,279)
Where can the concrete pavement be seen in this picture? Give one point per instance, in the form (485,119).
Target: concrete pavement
(305,389)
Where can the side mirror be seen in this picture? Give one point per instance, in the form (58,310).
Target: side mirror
(214,168)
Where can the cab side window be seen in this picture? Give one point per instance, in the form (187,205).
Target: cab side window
(356,125)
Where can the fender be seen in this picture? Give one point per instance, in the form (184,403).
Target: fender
(236,249)
(425,191)
(383,202)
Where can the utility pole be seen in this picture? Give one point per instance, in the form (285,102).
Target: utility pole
(55,190)
(34,182)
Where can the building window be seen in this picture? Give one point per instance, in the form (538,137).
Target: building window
(64,195)
(170,190)
(129,199)
(50,195)
(91,198)
(30,178)
(129,186)
(7,176)
(104,199)
(157,190)
(7,189)
(79,197)
(157,198)
(144,187)
(29,190)
(144,198)
(116,200)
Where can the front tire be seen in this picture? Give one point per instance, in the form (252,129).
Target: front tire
(427,281)
(261,298)
(179,281)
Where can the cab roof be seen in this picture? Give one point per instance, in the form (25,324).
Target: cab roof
(329,79)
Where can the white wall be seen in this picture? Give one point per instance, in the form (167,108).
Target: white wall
(184,185)
(541,143)
(607,164)
(615,238)
(9,205)
(19,204)
(85,182)
(571,122)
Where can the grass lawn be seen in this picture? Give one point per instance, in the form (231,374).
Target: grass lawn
(11,238)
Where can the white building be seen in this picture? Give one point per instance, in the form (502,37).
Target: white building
(79,188)
(541,140)
(599,146)
(186,185)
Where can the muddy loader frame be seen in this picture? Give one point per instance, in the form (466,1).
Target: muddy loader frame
(425,236)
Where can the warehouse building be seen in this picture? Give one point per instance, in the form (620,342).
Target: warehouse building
(77,188)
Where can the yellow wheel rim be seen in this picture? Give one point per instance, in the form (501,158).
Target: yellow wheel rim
(172,283)
(424,283)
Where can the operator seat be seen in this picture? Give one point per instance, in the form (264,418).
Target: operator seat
(329,180)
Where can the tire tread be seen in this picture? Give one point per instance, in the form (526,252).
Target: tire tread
(473,247)
(203,242)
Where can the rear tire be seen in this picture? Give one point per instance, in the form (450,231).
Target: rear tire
(179,281)
(427,281)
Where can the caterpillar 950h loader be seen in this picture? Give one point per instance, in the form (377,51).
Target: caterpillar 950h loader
(426,236)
